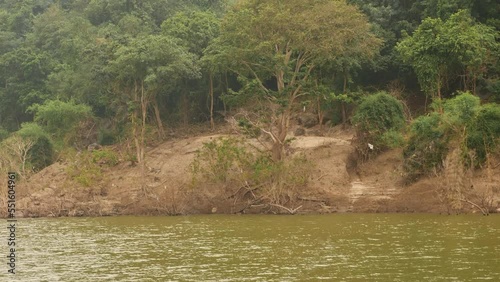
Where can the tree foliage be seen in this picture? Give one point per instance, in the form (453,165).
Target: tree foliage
(274,56)
(439,49)
(465,123)
(58,117)
(135,65)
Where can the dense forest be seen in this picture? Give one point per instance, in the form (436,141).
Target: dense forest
(77,72)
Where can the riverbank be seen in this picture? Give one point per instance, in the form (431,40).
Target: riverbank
(336,184)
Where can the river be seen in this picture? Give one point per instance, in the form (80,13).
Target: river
(339,247)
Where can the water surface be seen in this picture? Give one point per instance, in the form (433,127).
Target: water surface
(341,247)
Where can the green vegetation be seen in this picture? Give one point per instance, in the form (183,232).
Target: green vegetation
(78,72)
(86,168)
(379,122)
(274,56)
(229,162)
(441,50)
(41,153)
(60,117)
(474,128)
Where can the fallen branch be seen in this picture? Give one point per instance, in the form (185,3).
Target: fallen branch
(249,205)
(291,211)
(483,211)
(248,188)
(310,199)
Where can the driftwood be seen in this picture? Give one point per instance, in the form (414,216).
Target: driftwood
(249,205)
(310,199)
(248,189)
(291,211)
(483,211)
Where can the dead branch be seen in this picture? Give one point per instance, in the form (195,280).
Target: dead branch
(483,211)
(311,199)
(248,187)
(291,211)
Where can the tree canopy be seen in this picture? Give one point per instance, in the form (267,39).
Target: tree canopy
(139,66)
(273,46)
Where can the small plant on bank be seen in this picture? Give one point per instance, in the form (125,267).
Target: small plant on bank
(105,157)
(221,160)
(83,170)
(86,168)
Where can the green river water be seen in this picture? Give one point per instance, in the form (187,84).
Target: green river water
(339,247)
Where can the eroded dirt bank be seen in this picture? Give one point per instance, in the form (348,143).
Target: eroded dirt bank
(335,185)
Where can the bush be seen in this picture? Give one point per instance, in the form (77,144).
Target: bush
(472,127)
(106,157)
(59,117)
(42,152)
(227,162)
(3,134)
(462,109)
(393,139)
(426,148)
(221,159)
(484,132)
(83,169)
(378,120)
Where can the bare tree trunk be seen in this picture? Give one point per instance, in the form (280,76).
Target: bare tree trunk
(225,91)
(440,109)
(465,81)
(144,107)
(211,93)
(318,104)
(474,84)
(161,131)
(185,106)
(321,114)
(135,126)
(342,104)
(278,148)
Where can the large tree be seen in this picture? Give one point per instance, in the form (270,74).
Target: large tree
(140,70)
(196,30)
(275,45)
(439,50)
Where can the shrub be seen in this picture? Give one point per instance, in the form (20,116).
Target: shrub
(484,133)
(475,129)
(462,109)
(227,162)
(83,169)
(3,134)
(393,139)
(426,148)
(104,156)
(220,159)
(378,120)
(41,153)
(59,117)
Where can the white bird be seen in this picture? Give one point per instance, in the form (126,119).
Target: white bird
(370,146)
